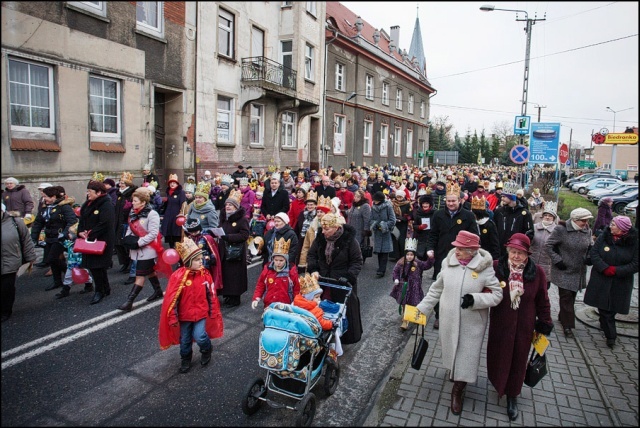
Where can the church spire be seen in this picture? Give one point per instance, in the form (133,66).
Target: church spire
(416,50)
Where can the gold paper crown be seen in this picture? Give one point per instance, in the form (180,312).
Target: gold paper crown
(453,188)
(271,168)
(235,195)
(287,172)
(281,247)
(253,184)
(363,183)
(308,283)
(173,177)
(312,196)
(479,203)
(187,249)
(127,177)
(97,176)
(203,188)
(260,190)
(411,244)
(243,181)
(510,188)
(324,201)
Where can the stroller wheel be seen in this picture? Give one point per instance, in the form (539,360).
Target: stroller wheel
(250,401)
(331,376)
(306,410)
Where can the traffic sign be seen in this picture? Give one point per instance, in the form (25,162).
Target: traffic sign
(522,125)
(587,164)
(568,162)
(564,153)
(543,142)
(519,154)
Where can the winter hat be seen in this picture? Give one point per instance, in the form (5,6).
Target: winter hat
(378,197)
(110,182)
(580,214)
(519,241)
(605,200)
(509,196)
(284,217)
(192,225)
(12,180)
(466,239)
(622,222)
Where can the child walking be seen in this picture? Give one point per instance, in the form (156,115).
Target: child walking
(278,281)
(407,278)
(190,309)
(74,260)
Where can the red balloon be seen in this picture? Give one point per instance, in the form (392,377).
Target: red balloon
(79,275)
(180,220)
(77,211)
(270,225)
(170,256)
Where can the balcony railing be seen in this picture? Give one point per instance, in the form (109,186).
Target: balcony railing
(263,69)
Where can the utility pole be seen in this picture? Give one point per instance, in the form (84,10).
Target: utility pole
(539,107)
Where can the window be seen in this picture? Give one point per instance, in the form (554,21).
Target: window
(95,7)
(369,87)
(311,8)
(396,141)
(338,135)
(256,126)
(366,146)
(225,119)
(339,77)
(31,97)
(399,99)
(410,105)
(149,17)
(308,62)
(384,133)
(226,35)
(385,93)
(288,129)
(287,4)
(257,42)
(409,148)
(422,109)
(104,107)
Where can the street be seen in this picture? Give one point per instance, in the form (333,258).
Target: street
(65,362)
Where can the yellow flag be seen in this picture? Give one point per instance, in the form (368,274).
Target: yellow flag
(540,342)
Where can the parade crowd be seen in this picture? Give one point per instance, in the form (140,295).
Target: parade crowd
(494,252)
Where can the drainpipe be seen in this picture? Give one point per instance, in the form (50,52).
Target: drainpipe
(324,98)
(195,106)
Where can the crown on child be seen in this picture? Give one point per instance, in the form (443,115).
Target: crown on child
(479,203)
(411,244)
(308,283)
(243,181)
(187,249)
(305,186)
(226,179)
(281,247)
(260,190)
(324,201)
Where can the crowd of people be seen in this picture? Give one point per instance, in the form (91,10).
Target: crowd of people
(494,252)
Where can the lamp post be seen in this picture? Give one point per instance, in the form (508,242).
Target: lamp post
(615,146)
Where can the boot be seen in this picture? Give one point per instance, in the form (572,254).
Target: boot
(125,267)
(128,305)
(157,290)
(64,292)
(512,408)
(456,397)
(185,364)
(205,357)
(88,288)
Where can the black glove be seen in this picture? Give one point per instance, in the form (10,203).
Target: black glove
(560,265)
(343,280)
(467,301)
(366,232)
(131,242)
(529,233)
(543,328)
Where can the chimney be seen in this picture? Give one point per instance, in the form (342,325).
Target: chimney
(395,35)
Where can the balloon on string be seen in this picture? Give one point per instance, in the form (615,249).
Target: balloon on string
(77,211)
(170,256)
(270,225)
(180,220)
(79,275)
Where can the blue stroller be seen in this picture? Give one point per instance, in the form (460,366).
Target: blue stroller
(296,353)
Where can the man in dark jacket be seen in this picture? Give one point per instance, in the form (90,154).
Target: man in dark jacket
(238,174)
(512,218)
(275,199)
(422,224)
(325,189)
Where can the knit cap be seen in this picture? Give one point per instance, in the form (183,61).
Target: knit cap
(580,214)
(622,222)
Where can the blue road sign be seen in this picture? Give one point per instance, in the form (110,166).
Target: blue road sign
(519,154)
(568,162)
(543,142)
(522,125)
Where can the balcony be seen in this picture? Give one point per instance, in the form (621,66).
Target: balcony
(269,75)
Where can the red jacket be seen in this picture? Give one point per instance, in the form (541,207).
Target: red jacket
(273,288)
(297,206)
(346,199)
(312,307)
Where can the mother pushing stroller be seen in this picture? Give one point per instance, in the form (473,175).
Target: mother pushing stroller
(335,253)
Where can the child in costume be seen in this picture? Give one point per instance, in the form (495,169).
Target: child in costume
(278,281)
(74,260)
(190,309)
(210,253)
(407,278)
(310,297)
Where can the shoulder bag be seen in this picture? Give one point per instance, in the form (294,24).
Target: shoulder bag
(420,346)
(233,252)
(536,369)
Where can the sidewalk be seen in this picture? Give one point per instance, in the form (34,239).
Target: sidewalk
(588,384)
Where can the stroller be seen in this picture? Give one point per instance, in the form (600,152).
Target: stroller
(296,353)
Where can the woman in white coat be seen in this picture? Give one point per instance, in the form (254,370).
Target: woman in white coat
(466,288)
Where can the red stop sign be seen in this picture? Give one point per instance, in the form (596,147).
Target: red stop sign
(564,153)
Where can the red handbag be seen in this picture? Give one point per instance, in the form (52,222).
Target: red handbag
(94,248)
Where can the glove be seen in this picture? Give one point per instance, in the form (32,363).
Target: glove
(560,265)
(467,301)
(384,228)
(543,328)
(343,280)
(254,304)
(610,271)
(396,282)
(131,242)
(430,254)
(529,234)
(422,227)
(366,232)
(41,244)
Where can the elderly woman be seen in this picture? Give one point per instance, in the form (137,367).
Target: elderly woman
(17,199)
(466,288)
(567,247)
(381,223)
(605,214)
(615,260)
(523,309)
(203,209)
(170,210)
(143,244)
(358,217)
(335,253)
(541,233)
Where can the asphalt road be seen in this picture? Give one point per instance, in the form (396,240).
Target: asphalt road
(65,362)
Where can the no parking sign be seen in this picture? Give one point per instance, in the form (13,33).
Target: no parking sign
(519,154)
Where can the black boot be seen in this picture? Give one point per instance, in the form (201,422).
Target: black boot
(125,267)
(512,408)
(185,364)
(205,357)
(64,292)
(88,288)
(157,290)
(128,305)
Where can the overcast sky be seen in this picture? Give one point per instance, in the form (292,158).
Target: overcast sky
(584,58)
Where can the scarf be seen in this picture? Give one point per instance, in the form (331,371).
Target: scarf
(170,190)
(546,224)
(199,206)
(331,242)
(140,213)
(308,218)
(516,284)
(397,210)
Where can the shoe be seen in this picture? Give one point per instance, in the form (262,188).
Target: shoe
(512,408)
(53,287)
(48,273)
(205,358)
(5,317)
(97,298)
(185,364)
(456,397)
(41,264)
(611,343)
(436,324)
(88,288)
(232,302)
(124,268)
(64,293)
(379,274)
(130,280)
(568,333)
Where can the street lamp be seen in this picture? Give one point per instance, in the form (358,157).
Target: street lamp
(349,98)
(615,146)
(614,115)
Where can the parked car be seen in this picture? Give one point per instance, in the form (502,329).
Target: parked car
(610,191)
(587,176)
(593,183)
(621,201)
(630,210)
(624,192)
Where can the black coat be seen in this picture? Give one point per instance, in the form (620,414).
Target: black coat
(613,293)
(278,203)
(99,218)
(56,227)
(122,214)
(220,199)
(170,210)
(346,261)
(421,235)
(444,230)
(511,220)
(489,238)
(234,274)
(327,192)
(285,232)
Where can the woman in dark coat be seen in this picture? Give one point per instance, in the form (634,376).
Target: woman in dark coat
(170,209)
(605,214)
(235,224)
(122,208)
(422,224)
(281,229)
(615,259)
(524,307)
(97,222)
(343,263)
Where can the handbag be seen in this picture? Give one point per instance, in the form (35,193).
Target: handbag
(420,346)
(412,314)
(366,248)
(233,252)
(536,369)
(94,248)
(587,257)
